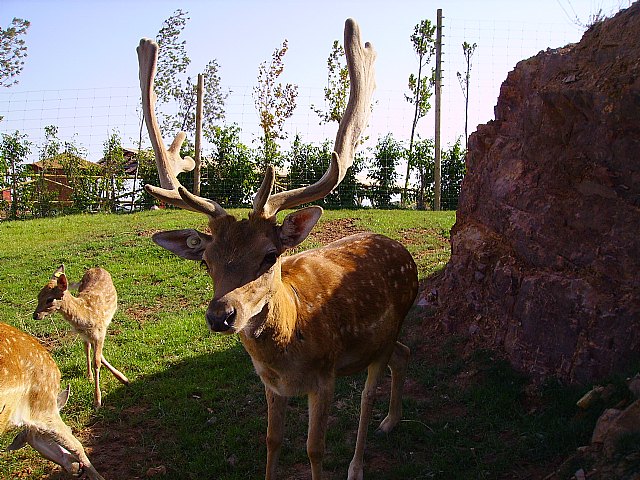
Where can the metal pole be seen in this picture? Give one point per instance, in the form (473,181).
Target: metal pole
(196,171)
(438,92)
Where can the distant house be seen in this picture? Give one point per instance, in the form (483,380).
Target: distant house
(53,174)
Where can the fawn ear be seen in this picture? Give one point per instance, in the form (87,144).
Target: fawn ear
(63,397)
(63,283)
(187,243)
(297,225)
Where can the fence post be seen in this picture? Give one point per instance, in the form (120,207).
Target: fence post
(438,92)
(198,147)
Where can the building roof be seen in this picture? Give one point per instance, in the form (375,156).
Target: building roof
(56,162)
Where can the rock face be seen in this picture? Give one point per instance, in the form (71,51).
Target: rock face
(545,259)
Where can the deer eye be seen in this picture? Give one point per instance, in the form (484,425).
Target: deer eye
(49,301)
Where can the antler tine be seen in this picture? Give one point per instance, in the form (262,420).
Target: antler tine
(360,61)
(168,161)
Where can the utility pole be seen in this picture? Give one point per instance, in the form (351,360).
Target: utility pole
(438,93)
(198,147)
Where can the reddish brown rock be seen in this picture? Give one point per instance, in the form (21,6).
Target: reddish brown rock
(545,259)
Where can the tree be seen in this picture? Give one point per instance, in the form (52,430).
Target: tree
(424,45)
(453,170)
(274,103)
(230,175)
(13,50)
(468,51)
(423,160)
(336,93)
(173,85)
(111,179)
(387,155)
(14,148)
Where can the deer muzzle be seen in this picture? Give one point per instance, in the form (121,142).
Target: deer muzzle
(221,319)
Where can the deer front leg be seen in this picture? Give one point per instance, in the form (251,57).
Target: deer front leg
(58,433)
(276,410)
(54,452)
(97,363)
(87,354)
(398,365)
(374,372)
(319,405)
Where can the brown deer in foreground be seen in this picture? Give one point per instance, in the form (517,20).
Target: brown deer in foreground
(89,314)
(310,317)
(29,386)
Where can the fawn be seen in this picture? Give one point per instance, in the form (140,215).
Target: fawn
(89,314)
(29,385)
(310,317)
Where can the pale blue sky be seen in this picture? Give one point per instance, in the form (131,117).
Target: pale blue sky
(81,69)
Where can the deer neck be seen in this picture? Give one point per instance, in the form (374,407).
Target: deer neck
(277,321)
(73,309)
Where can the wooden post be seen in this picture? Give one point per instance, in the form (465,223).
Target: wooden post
(198,147)
(438,92)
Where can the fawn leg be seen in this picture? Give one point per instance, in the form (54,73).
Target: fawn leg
(374,372)
(116,373)
(60,434)
(87,354)
(319,405)
(276,410)
(54,452)
(398,365)
(97,363)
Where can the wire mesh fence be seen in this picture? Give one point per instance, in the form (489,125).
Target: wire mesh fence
(87,118)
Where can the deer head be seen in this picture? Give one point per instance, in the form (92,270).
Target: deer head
(51,294)
(243,256)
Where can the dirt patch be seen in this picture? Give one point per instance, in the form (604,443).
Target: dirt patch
(333,230)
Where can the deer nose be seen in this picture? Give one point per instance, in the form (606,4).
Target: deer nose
(221,321)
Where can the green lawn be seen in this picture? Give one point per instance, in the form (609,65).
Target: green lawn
(195,409)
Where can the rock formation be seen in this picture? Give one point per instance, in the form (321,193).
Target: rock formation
(545,259)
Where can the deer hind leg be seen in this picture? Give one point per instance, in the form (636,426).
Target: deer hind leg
(276,410)
(116,373)
(374,373)
(398,365)
(87,354)
(319,405)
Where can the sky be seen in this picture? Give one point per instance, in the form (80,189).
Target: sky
(81,70)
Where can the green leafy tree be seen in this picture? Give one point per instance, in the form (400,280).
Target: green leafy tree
(387,155)
(14,149)
(229,174)
(173,85)
(13,50)
(453,171)
(424,45)
(423,161)
(336,93)
(275,103)
(112,174)
(468,51)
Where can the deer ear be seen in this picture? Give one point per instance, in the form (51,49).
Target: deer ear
(187,243)
(297,225)
(63,397)
(63,283)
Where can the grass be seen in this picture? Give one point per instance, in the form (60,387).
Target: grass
(195,409)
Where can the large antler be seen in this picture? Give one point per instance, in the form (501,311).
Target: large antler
(360,60)
(169,162)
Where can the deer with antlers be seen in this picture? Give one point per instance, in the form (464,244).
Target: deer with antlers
(89,314)
(29,398)
(308,318)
